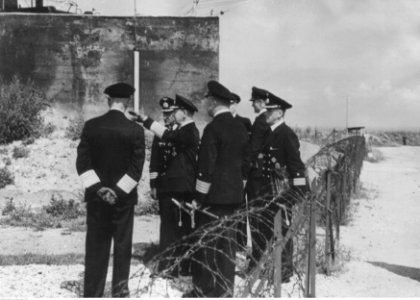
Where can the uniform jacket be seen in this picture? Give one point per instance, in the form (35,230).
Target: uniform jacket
(281,155)
(161,154)
(174,159)
(111,154)
(259,133)
(223,161)
(246,122)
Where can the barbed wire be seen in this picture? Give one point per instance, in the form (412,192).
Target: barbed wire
(336,169)
(201,249)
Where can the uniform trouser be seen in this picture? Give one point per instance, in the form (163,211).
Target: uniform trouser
(262,224)
(104,223)
(242,229)
(214,263)
(174,225)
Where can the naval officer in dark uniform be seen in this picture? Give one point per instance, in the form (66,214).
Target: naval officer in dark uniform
(260,128)
(222,167)
(259,133)
(160,157)
(160,152)
(175,178)
(109,161)
(279,160)
(242,224)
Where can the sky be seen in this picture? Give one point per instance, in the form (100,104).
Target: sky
(319,55)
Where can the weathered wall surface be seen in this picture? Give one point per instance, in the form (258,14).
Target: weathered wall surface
(74,57)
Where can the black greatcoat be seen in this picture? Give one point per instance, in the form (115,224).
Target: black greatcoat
(172,171)
(242,231)
(259,133)
(246,122)
(110,154)
(223,163)
(177,168)
(280,154)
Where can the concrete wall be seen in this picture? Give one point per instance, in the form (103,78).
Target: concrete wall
(74,57)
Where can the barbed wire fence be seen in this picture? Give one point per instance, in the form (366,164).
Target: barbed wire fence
(333,173)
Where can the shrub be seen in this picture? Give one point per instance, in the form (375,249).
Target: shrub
(21,214)
(5,177)
(46,130)
(20,107)
(9,208)
(74,130)
(20,152)
(342,257)
(7,161)
(28,141)
(67,210)
(58,214)
(375,156)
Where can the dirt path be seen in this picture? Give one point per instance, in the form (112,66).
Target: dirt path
(383,235)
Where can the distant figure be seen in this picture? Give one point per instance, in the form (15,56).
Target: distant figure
(173,168)
(110,160)
(223,161)
(404,140)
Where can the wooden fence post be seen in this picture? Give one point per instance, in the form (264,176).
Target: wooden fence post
(277,253)
(328,232)
(345,195)
(339,197)
(311,266)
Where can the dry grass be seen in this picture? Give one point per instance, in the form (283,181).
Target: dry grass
(375,156)
(336,266)
(395,138)
(58,214)
(6,177)
(41,259)
(20,152)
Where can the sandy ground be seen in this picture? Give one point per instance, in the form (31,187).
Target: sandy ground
(20,240)
(382,237)
(49,170)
